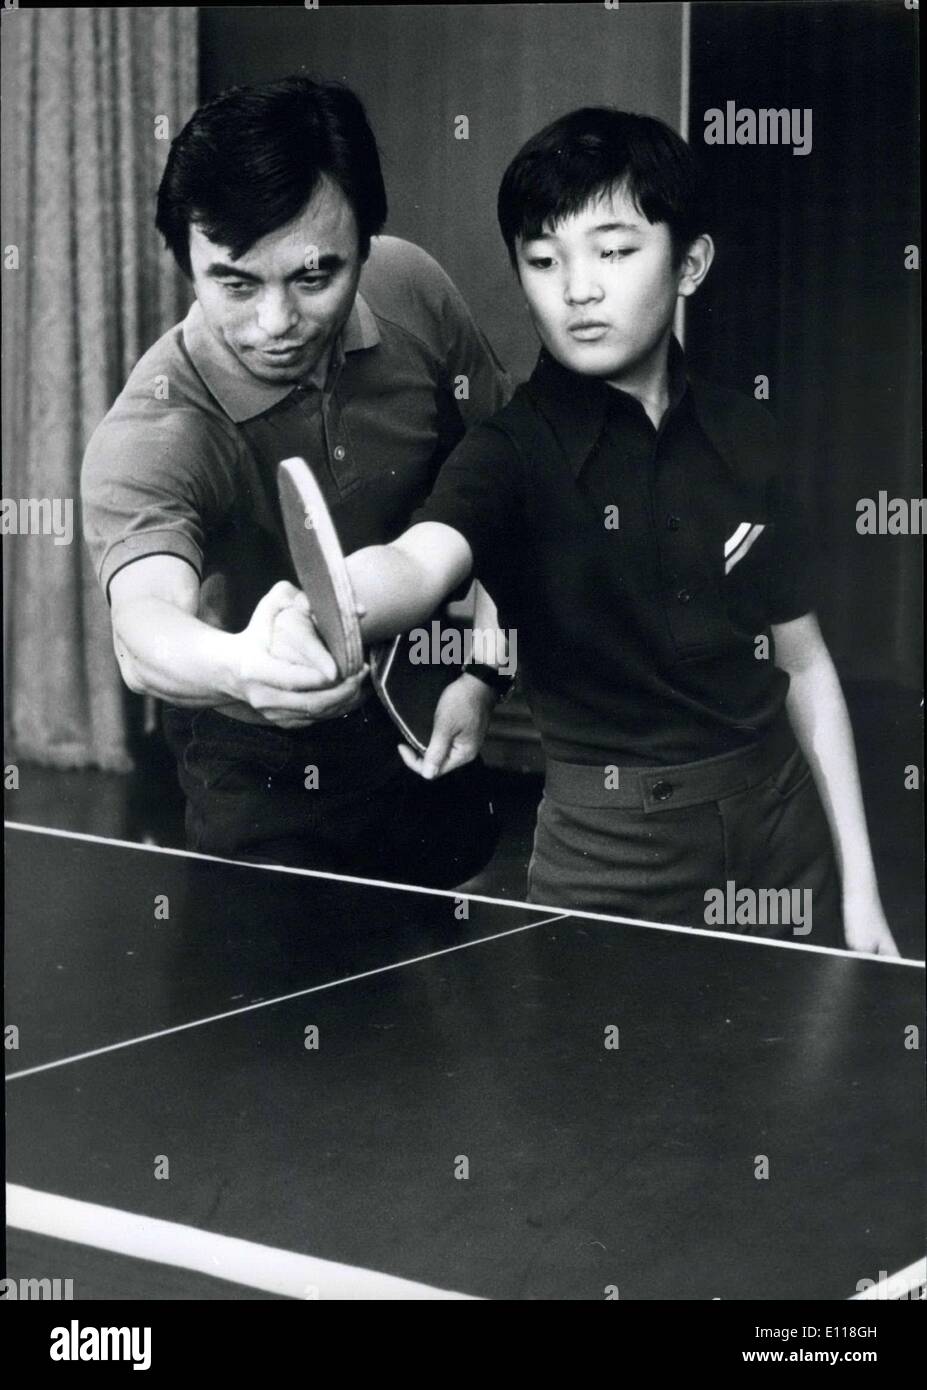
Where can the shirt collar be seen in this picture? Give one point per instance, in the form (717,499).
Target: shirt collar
(576,406)
(240,393)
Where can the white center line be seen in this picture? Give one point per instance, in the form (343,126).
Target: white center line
(278,999)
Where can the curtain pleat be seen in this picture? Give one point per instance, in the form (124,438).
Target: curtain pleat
(93,290)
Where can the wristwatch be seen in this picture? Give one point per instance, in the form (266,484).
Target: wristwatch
(498,681)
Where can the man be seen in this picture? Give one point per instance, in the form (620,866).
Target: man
(311,335)
(637,530)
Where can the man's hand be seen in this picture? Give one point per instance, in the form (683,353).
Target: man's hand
(461,720)
(284,670)
(294,636)
(865,924)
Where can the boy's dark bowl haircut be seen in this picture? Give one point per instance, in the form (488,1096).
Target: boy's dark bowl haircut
(248,161)
(597,150)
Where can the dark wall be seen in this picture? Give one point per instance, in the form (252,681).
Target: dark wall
(509,68)
(810,287)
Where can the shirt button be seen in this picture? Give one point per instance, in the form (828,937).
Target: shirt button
(339,452)
(672,523)
(662,790)
(684,596)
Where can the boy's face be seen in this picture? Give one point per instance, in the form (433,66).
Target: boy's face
(602,289)
(281,305)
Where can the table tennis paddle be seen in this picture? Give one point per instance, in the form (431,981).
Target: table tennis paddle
(408,689)
(319,564)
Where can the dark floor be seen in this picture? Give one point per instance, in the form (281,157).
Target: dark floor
(887,721)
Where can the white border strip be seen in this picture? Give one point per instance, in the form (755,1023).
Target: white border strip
(896,1286)
(243,1262)
(460,895)
(278,999)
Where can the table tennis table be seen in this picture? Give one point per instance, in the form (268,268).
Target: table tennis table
(235,1081)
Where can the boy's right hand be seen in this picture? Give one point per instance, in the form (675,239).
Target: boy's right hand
(284,671)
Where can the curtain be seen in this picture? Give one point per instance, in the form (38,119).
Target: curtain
(810,288)
(87,289)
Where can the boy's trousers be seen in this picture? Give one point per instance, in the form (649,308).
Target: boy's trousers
(680,844)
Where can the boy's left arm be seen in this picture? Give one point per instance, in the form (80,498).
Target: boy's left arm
(463,712)
(819,717)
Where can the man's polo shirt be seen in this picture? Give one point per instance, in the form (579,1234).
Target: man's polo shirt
(185,462)
(638,566)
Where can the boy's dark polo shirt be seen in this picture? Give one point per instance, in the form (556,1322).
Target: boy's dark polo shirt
(185,461)
(634,646)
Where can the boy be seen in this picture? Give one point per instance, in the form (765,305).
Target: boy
(637,530)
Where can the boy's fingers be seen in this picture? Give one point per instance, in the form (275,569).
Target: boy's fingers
(411,759)
(436,754)
(425,765)
(457,757)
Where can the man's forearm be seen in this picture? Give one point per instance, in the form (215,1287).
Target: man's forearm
(818,713)
(165,652)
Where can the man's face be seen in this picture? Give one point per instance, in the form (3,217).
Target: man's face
(601,288)
(282,304)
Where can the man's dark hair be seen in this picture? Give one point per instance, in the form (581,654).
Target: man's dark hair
(598,150)
(249,160)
